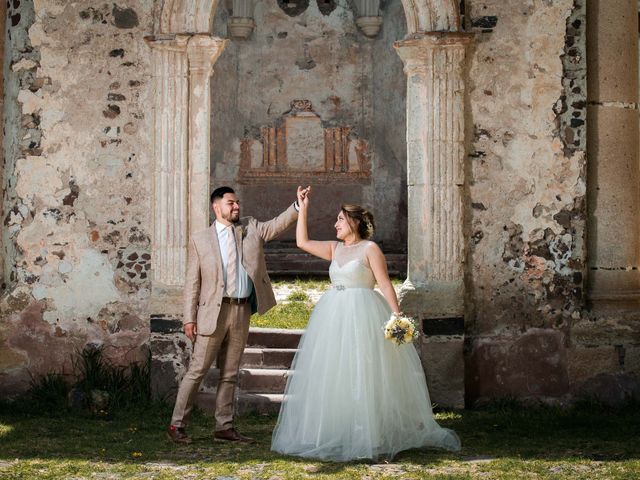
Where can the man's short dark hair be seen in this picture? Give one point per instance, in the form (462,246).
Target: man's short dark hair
(219,193)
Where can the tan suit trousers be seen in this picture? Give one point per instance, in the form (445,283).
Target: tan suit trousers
(227,344)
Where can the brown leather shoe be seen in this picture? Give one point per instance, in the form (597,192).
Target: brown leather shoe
(178,435)
(231,435)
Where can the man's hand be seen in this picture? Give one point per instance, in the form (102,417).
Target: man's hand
(190,331)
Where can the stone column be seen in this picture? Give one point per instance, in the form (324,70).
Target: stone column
(203,51)
(614,167)
(170,215)
(434,290)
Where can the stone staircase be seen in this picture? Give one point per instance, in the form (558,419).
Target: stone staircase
(284,259)
(263,371)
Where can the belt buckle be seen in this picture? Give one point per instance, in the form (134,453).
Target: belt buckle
(235,300)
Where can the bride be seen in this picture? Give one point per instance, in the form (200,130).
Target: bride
(351,394)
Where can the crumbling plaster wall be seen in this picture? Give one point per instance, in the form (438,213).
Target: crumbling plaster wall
(351,81)
(77,192)
(526,214)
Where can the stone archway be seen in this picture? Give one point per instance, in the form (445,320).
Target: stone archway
(184,52)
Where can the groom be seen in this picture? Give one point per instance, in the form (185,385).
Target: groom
(226,282)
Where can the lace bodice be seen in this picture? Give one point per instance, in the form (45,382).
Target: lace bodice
(350,268)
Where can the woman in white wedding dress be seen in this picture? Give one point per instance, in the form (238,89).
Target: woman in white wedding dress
(351,394)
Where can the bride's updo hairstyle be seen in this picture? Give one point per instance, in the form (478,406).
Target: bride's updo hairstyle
(361,220)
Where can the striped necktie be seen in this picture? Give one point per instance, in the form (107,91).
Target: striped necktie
(232,261)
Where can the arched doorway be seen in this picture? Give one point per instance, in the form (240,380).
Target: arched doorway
(307,98)
(433,53)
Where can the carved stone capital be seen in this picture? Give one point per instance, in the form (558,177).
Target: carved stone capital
(370,25)
(241,27)
(203,51)
(419,52)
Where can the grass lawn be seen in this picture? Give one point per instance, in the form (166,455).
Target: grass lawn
(302,283)
(292,314)
(500,443)
(295,312)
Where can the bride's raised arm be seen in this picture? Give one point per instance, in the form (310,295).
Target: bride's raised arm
(314,247)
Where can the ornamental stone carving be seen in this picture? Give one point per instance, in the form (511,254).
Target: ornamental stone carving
(298,144)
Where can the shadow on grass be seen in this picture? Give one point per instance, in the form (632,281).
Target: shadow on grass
(138,437)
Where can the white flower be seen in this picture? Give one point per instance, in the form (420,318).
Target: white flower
(400,329)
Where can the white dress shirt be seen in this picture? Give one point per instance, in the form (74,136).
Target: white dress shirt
(244,285)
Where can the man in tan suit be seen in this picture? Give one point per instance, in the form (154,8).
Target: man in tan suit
(226,282)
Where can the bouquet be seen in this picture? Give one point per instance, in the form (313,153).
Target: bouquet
(400,329)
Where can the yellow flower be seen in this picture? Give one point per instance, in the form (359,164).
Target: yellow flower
(136,454)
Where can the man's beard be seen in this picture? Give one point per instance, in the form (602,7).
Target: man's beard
(233,217)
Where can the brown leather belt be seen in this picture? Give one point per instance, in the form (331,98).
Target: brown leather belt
(235,301)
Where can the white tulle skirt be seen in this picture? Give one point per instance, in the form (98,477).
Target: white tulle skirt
(351,394)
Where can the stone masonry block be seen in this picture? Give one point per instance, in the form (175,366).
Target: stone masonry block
(443,362)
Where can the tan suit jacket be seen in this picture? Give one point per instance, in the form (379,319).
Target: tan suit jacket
(204,282)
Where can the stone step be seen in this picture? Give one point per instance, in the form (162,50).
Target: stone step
(274,338)
(258,403)
(263,372)
(262,403)
(258,357)
(291,261)
(251,380)
(262,380)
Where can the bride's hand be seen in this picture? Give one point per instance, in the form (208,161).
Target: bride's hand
(303,196)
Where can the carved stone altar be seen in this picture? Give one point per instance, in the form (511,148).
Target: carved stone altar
(299,146)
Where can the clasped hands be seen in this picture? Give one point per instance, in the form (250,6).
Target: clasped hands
(303,196)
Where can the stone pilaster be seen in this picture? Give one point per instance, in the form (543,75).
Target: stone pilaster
(203,51)
(613,157)
(170,214)
(434,290)
(434,64)
(182,66)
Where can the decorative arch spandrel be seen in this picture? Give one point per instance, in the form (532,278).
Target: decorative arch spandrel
(196,16)
(187,16)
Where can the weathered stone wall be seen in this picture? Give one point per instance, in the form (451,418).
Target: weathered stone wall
(77,188)
(77,183)
(351,81)
(527,201)
(527,186)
